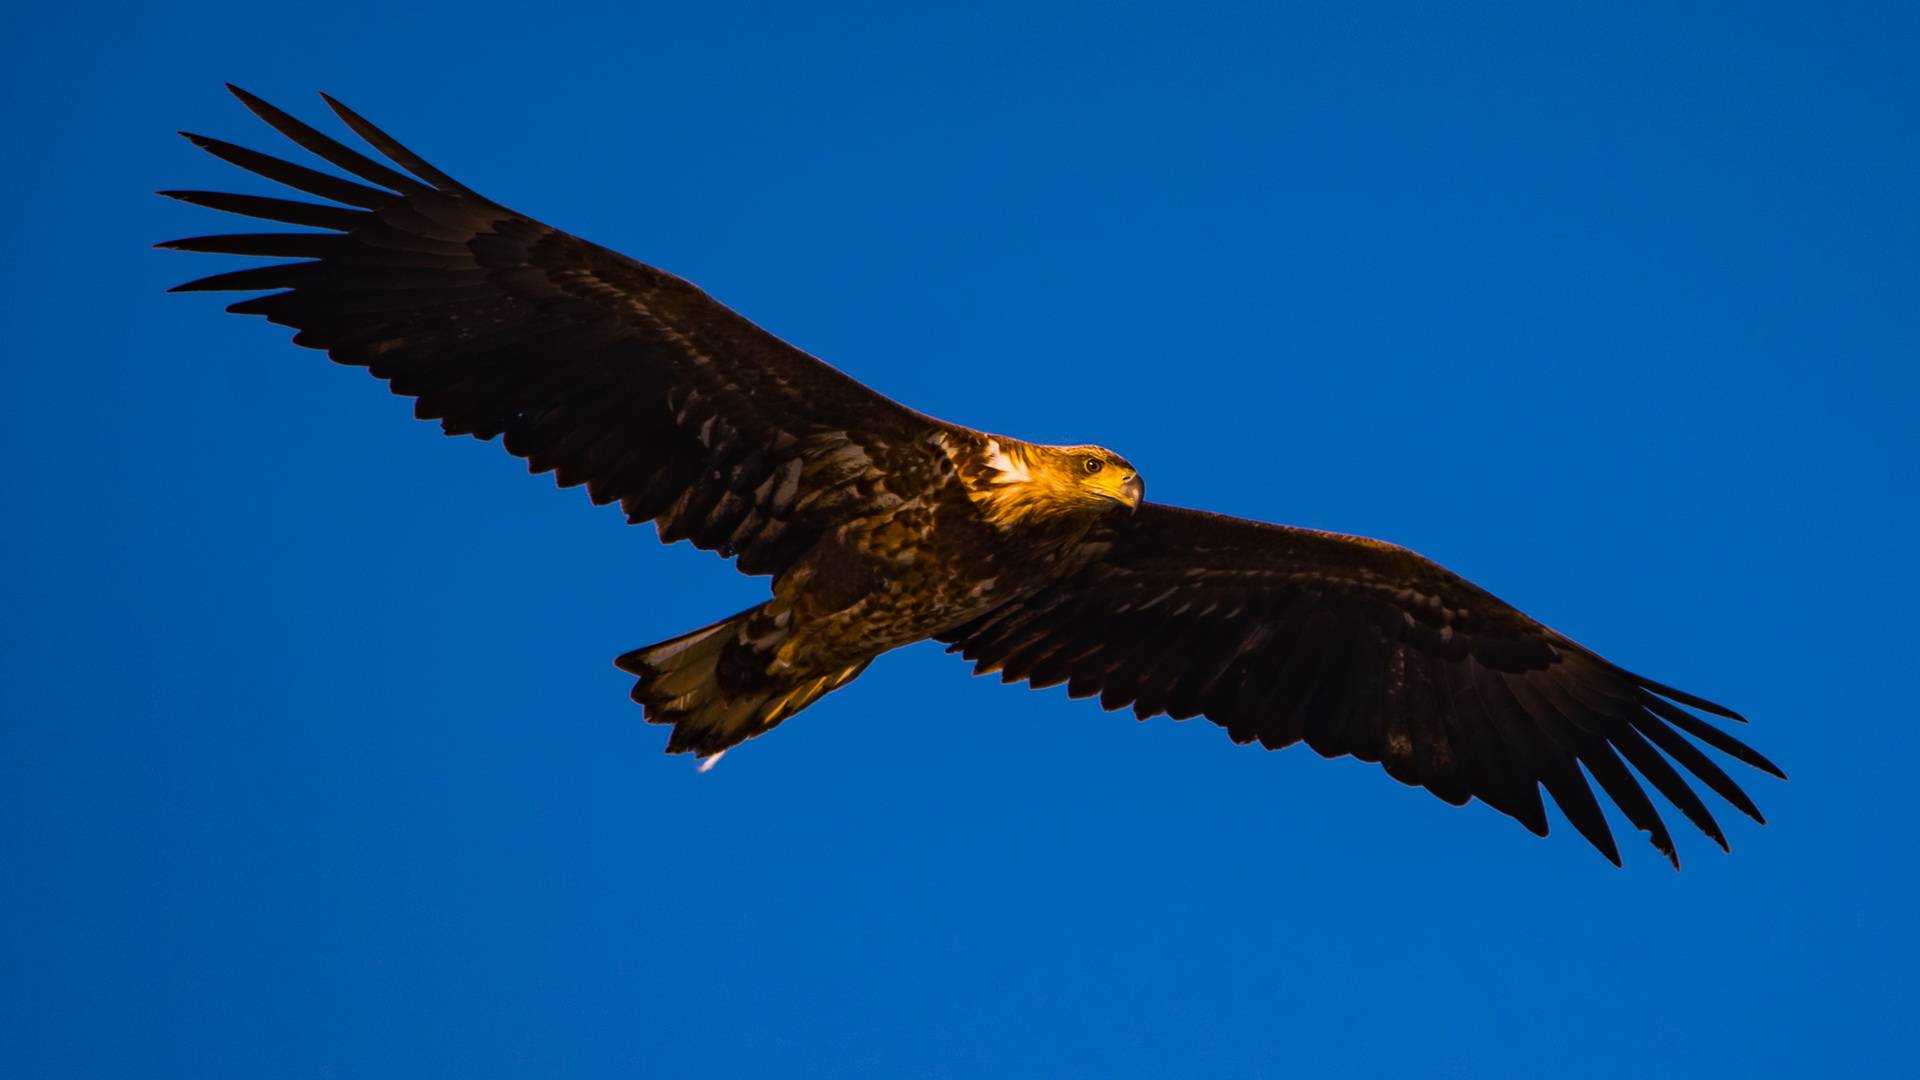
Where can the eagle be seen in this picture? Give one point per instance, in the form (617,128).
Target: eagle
(880,526)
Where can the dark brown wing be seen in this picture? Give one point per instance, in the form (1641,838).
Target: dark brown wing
(601,369)
(1357,647)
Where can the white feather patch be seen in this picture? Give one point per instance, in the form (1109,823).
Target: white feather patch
(1002,463)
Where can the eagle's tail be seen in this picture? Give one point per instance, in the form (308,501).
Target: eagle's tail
(712,684)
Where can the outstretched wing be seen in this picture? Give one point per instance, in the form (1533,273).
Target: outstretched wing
(603,370)
(1358,647)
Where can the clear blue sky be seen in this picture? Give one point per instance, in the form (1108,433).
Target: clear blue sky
(314,762)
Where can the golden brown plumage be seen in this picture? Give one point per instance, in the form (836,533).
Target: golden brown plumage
(881,526)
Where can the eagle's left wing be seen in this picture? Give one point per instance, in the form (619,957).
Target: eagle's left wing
(600,368)
(1358,647)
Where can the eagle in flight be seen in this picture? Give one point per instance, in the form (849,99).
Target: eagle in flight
(881,526)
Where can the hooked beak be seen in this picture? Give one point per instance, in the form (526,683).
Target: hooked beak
(1134,492)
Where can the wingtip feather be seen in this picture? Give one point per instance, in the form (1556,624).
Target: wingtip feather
(393,148)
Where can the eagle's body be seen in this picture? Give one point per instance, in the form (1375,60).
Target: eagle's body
(983,521)
(881,526)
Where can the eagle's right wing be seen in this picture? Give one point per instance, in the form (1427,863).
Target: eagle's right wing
(604,370)
(1353,646)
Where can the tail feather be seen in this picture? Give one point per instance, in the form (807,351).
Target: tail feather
(712,685)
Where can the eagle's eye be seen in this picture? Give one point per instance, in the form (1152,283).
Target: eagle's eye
(1092,465)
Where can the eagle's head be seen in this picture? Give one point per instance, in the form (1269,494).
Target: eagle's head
(1025,481)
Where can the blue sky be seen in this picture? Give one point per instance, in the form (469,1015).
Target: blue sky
(314,762)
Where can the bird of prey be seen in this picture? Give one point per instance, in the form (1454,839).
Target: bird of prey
(881,526)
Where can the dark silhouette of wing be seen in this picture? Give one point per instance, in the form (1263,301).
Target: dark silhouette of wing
(1357,647)
(603,370)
